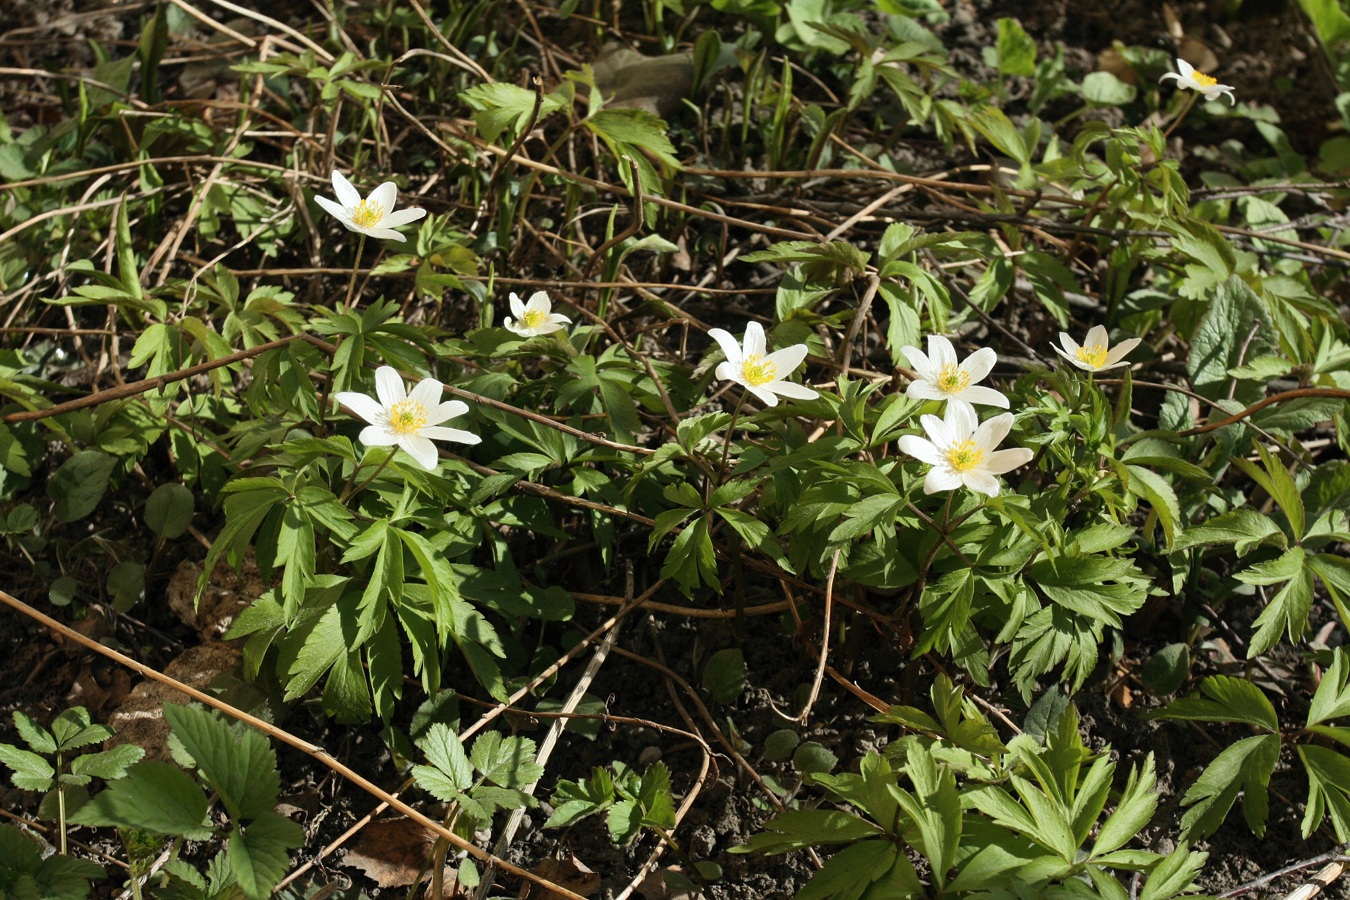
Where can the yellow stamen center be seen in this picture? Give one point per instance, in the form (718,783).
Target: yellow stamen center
(367,214)
(1204,80)
(407,417)
(1094,355)
(532,318)
(964,456)
(759,371)
(953,379)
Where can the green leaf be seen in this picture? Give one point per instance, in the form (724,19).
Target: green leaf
(1245,529)
(1105,89)
(237,761)
(1135,809)
(109,764)
(33,734)
(500,106)
(258,853)
(168,510)
(796,829)
(1016,50)
(446,753)
(1231,700)
(812,758)
(1244,767)
(724,675)
(1332,699)
(1330,20)
(1279,484)
(509,762)
(28,771)
(74,728)
(1218,345)
(80,483)
(1287,613)
(153,796)
(871,869)
(1174,874)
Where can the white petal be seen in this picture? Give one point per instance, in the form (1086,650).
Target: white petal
(938,432)
(1071,347)
(980,363)
(1097,337)
(558,319)
(788,359)
(450,409)
(384,197)
(1175,77)
(380,234)
(728,372)
(985,396)
(1120,351)
(767,396)
(443,433)
(793,390)
(401,217)
(334,210)
(427,393)
(389,386)
(755,345)
(918,361)
(1001,461)
(539,302)
(923,390)
(420,449)
(941,353)
(981,482)
(363,407)
(547,328)
(377,436)
(923,451)
(961,420)
(940,479)
(990,434)
(730,349)
(347,195)
(1185,68)
(517,307)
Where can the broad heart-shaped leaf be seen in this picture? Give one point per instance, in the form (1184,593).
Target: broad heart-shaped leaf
(258,852)
(1244,767)
(1332,699)
(29,771)
(509,762)
(153,796)
(872,869)
(1231,700)
(80,484)
(445,752)
(238,762)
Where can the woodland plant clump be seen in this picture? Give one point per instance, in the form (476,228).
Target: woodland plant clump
(528,522)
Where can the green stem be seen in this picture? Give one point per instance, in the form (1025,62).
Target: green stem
(356,268)
(726,441)
(1190,102)
(349,491)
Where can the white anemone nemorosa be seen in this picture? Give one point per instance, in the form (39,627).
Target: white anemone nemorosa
(758,371)
(535,317)
(410,420)
(961,450)
(375,215)
(1096,353)
(1187,77)
(942,377)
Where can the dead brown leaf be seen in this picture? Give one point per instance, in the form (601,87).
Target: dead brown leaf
(395,852)
(570,873)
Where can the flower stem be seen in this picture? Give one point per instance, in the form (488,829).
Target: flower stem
(726,441)
(356,268)
(348,491)
(1190,102)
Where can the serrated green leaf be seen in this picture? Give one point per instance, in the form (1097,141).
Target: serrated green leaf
(153,796)
(445,752)
(108,764)
(28,771)
(237,761)
(258,853)
(33,734)
(509,762)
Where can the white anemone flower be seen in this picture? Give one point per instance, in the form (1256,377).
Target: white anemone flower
(942,377)
(1187,77)
(961,450)
(1096,353)
(410,420)
(374,216)
(535,317)
(758,371)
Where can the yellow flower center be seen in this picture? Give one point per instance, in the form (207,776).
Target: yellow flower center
(1094,355)
(964,456)
(367,214)
(1204,80)
(532,318)
(758,371)
(407,417)
(953,379)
